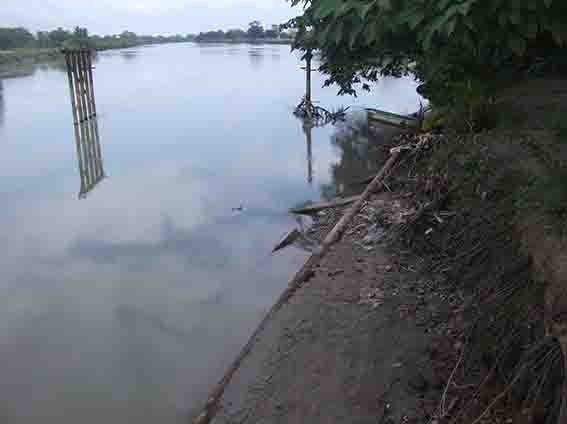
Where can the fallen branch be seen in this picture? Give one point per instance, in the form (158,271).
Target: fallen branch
(316,207)
(376,185)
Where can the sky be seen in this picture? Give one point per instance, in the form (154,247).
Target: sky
(143,16)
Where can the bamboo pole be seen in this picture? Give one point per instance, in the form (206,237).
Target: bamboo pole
(71,89)
(80,114)
(75,119)
(212,405)
(93,105)
(86,113)
(93,159)
(85,82)
(90,79)
(79,73)
(376,184)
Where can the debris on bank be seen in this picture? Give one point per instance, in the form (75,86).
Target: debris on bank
(421,303)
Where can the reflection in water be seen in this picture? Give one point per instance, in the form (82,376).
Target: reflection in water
(89,156)
(361,155)
(307,130)
(81,90)
(256,56)
(129,55)
(2,111)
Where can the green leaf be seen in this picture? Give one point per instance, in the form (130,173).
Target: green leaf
(515,17)
(338,32)
(363,11)
(370,34)
(322,35)
(345,8)
(385,4)
(326,8)
(559,32)
(533,4)
(531,29)
(355,32)
(518,45)
(450,28)
(415,19)
(464,8)
(442,5)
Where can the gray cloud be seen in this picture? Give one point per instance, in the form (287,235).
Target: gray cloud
(143,16)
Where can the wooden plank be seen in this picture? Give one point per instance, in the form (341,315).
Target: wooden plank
(316,207)
(388,118)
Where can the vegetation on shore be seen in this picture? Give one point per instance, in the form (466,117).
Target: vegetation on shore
(20,49)
(254,34)
(21,38)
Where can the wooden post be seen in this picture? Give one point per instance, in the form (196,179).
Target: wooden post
(93,106)
(308,57)
(79,73)
(69,63)
(83,134)
(83,71)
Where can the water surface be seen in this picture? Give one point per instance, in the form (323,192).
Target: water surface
(127,305)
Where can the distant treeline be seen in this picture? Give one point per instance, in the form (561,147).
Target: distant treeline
(255,32)
(12,38)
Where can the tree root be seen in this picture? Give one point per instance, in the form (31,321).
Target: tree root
(319,116)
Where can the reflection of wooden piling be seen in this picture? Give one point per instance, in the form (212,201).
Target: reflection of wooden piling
(307,128)
(81,90)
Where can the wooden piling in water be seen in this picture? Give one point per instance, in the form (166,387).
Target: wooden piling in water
(308,57)
(72,94)
(81,91)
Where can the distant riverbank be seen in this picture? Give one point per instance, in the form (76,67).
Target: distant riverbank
(23,61)
(244,41)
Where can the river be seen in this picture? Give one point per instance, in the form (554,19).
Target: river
(126,305)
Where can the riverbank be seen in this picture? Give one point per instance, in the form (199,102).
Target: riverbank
(23,61)
(431,307)
(286,41)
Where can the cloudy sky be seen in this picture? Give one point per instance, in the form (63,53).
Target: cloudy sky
(142,16)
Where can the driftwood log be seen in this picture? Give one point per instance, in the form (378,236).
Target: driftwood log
(319,206)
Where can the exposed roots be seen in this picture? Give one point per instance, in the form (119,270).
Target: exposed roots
(318,116)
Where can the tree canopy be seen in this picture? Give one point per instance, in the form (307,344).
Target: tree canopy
(11,38)
(451,46)
(254,32)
